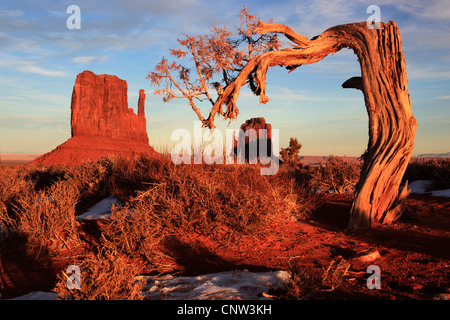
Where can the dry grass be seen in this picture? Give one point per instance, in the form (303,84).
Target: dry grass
(436,169)
(337,175)
(160,200)
(308,282)
(104,276)
(47,218)
(221,202)
(12,185)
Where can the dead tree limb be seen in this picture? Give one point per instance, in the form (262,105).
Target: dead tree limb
(383,82)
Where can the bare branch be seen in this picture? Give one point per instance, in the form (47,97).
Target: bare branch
(298,39)
(204,87)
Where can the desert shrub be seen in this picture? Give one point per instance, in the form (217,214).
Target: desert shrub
(12,185)
(300,174)
(107,275)
(43,177)
(291,166)
(441,173)
(95,180)
(238,197)
(214,200)
(92,177)
(47,217)
(337,175)
(160,200)
(138,229)
(91,180)
(436,169)
(129,176)
(308,282)
(290,154)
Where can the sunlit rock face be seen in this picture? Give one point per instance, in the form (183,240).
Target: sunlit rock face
(101,122)
(253,140)
(100,108)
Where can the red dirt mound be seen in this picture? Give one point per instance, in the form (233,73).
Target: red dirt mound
(77,150)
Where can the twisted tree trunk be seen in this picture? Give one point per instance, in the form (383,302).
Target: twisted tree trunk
(392,126)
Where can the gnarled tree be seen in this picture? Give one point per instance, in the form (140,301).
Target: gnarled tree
(383,82)
(215,61)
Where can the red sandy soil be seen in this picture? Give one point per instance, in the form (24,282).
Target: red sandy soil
(414,253)
(19,157)
(13,160)
(80,149)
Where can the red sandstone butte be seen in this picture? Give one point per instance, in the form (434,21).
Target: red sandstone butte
(101,123)
(255,124)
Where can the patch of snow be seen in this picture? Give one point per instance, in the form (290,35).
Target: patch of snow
(234,285)
(101,210)
(443,296)
(38,295)
(239,284)
(421,187)
(441,193)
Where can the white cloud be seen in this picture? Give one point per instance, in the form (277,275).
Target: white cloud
(33,68)
(426,38)
(11,13)
(436,10)
(24,46)
(30,67)
(35,97)
(443,98)
(279,92)
(32,121)
(311,18)
(89,59)
(415,71)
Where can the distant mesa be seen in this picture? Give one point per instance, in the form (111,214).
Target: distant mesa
(434,155)
(101,123)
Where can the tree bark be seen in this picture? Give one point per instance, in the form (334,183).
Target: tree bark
(392,126)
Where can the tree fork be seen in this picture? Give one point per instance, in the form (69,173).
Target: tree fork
(392,126)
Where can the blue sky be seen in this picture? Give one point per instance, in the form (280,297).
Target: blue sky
(40,59)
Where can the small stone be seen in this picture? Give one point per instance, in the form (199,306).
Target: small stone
(442,296)
(367,255)
(417,286)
